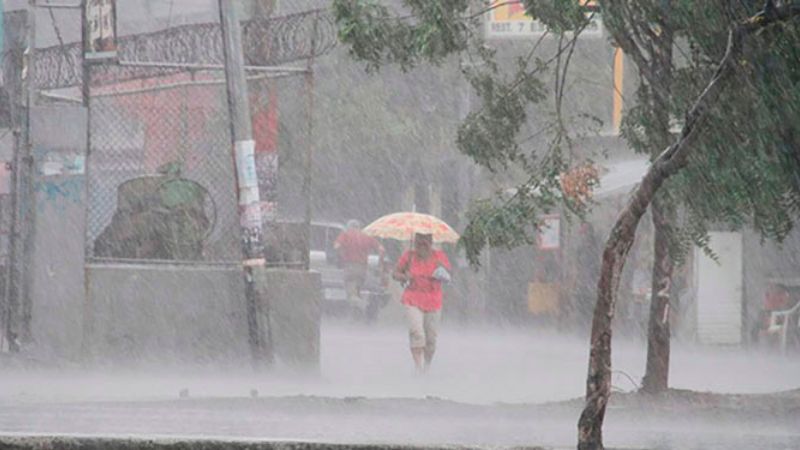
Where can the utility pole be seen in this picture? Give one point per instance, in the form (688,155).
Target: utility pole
(246,177)
(26,187)
(21,86)
(14,46)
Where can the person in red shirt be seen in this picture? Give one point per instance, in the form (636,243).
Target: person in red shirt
(354,248)
(422,271)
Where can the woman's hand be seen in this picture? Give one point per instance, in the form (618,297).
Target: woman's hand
(400,276)
(441,274)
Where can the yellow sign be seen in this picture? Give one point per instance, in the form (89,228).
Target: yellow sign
(509,12)
(543,298)
(508,19)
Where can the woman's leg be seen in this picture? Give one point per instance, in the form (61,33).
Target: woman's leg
(416,334)
(431,327)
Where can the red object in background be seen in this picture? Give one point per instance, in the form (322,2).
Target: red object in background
(264,107)
(355,246)
(265,121)
(174,122)
(776,298)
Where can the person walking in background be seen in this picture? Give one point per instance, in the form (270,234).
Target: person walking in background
(422,271)
(354,248)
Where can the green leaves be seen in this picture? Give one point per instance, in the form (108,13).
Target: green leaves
(379,36)
(429,31)
(560,16)
(743,169)
(489,134)
(362,25)
(508,220)
(747,159)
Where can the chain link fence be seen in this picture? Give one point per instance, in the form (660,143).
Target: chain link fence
(160,169)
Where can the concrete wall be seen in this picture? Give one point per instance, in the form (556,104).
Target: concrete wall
(169,314)
(166,314)
(294,301)
(56,261)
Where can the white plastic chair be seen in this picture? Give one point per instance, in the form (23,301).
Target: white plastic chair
(779,323)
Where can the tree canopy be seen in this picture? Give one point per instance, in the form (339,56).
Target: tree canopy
(420,31)
(749,157)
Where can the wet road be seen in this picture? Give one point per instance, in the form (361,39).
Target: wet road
(480,391)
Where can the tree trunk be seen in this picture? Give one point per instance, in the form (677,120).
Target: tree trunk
(656,378)
(598,382)
(656,375)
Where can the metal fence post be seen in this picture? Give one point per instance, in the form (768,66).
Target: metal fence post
(309,153)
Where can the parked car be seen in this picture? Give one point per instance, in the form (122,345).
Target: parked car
(324,259)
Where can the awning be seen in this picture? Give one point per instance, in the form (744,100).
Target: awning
(620,176)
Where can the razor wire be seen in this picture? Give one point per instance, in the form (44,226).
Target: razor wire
(270,41)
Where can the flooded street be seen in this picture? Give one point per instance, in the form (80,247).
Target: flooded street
(486,388)
(473,365)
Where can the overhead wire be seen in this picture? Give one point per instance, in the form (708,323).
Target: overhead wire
(169,14)
(57,30)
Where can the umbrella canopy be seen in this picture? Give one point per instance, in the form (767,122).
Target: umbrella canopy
(402,226)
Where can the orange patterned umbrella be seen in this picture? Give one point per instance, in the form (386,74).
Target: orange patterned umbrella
(402,226)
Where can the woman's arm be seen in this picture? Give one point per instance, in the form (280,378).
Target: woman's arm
(401,270)
(442,259)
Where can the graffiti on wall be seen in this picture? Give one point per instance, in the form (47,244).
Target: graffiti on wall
(60,177)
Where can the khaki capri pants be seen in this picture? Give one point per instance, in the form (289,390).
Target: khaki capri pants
(423,327)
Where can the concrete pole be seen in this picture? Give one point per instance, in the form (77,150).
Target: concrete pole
(246,178)
(12,68)
(26,187)
(22,97)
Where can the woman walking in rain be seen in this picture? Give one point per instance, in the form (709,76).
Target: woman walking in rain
(422,271)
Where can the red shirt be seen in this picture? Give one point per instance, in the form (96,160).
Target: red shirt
(424,291)
(354,246)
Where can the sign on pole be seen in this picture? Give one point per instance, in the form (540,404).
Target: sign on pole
(100,30)
(507,19)
(549,237)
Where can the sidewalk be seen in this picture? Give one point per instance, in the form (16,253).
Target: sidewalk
(402,423)
(86,443)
